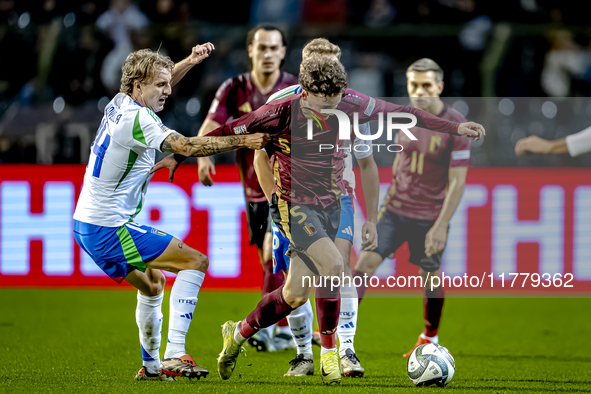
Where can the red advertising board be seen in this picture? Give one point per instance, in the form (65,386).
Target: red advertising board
(511,222)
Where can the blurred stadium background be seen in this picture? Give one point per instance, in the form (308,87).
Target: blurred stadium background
(508,64)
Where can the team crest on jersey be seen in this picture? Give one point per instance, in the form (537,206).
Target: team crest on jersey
(309,229)
(240,129)
(245,107)
(370,106)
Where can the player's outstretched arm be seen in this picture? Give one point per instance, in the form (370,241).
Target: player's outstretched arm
(207,146)
(198,54)
(472,130)
(370,180)
(535,144)
(183,147)
(424,119)
(262,167)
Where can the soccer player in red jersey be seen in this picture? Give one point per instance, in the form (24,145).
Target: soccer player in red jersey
(428,182)
(305,205)
(236,97)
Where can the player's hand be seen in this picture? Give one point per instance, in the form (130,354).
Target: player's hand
(533,144)
(200,53)
(369,236)
(255,141)
(168,162)
(472,129)
(205,166)
(436,239)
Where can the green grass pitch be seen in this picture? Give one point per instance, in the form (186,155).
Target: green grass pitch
(67,341)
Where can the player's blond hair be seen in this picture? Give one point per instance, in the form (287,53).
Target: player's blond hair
(321,46)
(323,75)
(425,64)
(141,66)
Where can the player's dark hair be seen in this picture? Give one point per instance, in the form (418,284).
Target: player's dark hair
(140,66)
(267,27)
(425,64)
(323,75)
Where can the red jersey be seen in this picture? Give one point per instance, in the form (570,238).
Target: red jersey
(305,174)
(234,98)
(420,182)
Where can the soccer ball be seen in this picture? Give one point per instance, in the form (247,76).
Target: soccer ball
(430,364)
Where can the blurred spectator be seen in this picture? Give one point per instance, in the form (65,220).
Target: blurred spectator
(381,13)
(119,22)
(562,62)
(324,12)
(286,13)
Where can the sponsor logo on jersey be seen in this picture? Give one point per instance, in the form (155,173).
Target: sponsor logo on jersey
(348,231)
(240,129)
(370,106)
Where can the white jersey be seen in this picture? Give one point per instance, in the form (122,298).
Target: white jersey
(579,143)
(361,148)
(117,175)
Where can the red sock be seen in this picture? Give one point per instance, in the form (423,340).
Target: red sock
(433,305)
(362,287)
(271,281)
(328,309)
(269,310)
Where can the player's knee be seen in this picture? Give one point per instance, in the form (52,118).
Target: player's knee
(296,302)
(201,262)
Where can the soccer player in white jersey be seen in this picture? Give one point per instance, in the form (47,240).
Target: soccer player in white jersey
(574,144)
(115,185)
(300,320)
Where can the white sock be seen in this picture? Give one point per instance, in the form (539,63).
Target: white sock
(283,330)
(434,339)
(347,319)
(270,330)
(324,350)
(148,316)
(183,299)
(237,336)
(300,323)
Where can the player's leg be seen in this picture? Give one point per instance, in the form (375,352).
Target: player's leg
(121,253)
(259,228)
(272,308)
(148,316)
(390,236)
(190,266)
(300,319)
(429,267)
(347,326)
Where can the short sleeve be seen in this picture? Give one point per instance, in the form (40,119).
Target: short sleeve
(218,111)
(148,130)
(460,153)
(362,149)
